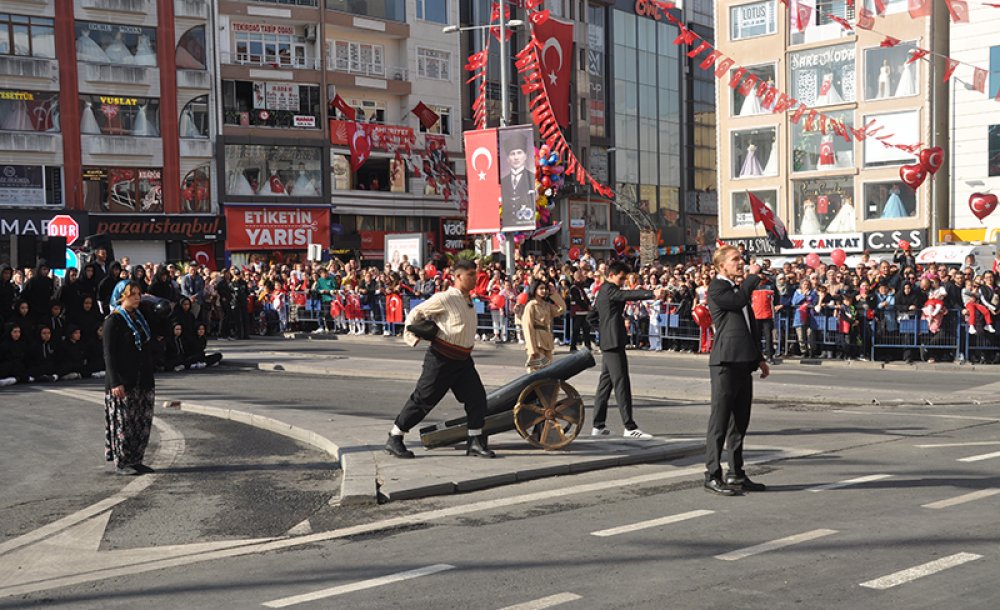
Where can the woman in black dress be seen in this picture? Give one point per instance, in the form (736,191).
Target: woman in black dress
(129,387)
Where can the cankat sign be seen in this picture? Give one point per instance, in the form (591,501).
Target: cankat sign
(262,228)
(804,244)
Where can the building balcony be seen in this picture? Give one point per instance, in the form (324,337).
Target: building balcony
(391,79)
(281,63)
(143,7)
(194,79)
(372,69)
(99,75)
(196,147)
(31,141)
(122,146)
(194,9)
(29,67)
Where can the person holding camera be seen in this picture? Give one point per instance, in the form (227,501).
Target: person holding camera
(545,303)
(447,321)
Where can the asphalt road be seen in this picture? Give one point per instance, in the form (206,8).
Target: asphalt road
(921,510)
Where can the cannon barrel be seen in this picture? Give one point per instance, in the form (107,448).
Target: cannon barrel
(500,402)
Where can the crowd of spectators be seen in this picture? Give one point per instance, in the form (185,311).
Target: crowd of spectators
(52,328)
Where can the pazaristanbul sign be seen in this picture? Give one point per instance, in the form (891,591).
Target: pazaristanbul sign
(181,228)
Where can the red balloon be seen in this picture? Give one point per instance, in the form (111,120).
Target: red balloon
(838,257)
(522,299)
(982,204)
(430,270)
(620,244)
(701,315)
(812,260)
(932,158)
(913,175)
(546,181)
(574,253)
(498,301)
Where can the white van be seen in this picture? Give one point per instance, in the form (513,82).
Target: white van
(954,255)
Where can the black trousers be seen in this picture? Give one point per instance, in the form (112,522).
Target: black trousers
(732,395)
(440,375)
(581,331)
(614,373)
(766,328)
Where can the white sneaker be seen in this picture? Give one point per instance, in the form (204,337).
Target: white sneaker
(318,331)
(8,381)
(71,376)
(972,330)
(179,368)
(638,435)
(99,374)
(989,328)
(600,432)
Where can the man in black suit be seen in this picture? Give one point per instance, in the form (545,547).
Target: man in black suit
(517,187)
(607,315)
(735,356)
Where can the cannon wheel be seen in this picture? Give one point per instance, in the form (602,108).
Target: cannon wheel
(549,414)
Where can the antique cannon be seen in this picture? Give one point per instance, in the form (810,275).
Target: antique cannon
(544,409)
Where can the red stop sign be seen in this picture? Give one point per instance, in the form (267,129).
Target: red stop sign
(62,225)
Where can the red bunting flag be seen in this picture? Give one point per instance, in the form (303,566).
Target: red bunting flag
(840,20)
(920,8)
(949,69)
(959,10)
(889,41)
(427,116)
(880,7)
(555,55)
(866,20)
(916,54)
(801,15)
(344,108)
(979,80)
(361,146)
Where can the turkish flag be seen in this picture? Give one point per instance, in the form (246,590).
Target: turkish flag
(979,80)
(344,108)
(920,8)
(361,146)
(801,15)
(950,66)
(482,170)
(427,116)
(959,10)
(776,232)
(555,39)
(204,255)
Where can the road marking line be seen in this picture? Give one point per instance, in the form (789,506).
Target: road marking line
(775,544)
(975,444)
(932,567)
(980,458)
(962,499)
(849,482)
(358,586)
(545,602)
(652,523)
(910,414)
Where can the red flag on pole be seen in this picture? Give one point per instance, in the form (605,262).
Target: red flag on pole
(949,69)
(427,116)
(344,108)
(361,146)
(203,254)
(979,80)
(555,56)
(959,10)
(776,231)
(483,175)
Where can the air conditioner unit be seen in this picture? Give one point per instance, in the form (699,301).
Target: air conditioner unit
(311,33)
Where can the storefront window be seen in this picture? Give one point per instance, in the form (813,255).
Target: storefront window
(751,20)
(194,118)
(127,189)
(824,206)
(812,150)
(30,185)
(878,153)
(743,213)
(887,75)
(274,45)
(27,36)
(29,110)
(111,43)
(884,200)
(755,152)
(394,10)
(824,76)
(273,171)
(190,53)
(381,174)
(994,150)
(819,24)
(750,105)
(120,116)
(196,192)
(260,103)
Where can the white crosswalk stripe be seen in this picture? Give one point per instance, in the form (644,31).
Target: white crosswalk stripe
(545,602)
(652,523)
(357,586)
(980,458)
(849,482)
(775,544)
(962,499)
(911,574)
(971,444)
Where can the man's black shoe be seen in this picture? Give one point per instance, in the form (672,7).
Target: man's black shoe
(394,446)
(477,447)
(744,483)
(715,486)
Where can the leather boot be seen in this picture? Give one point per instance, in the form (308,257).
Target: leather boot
(394,446)
(477,447)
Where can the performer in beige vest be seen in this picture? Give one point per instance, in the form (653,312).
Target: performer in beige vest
(544,304)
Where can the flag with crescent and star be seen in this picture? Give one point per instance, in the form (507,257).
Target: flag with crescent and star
(555,54)
(427,116)
(203,254)
(482,168)
(776,232)
(361,146)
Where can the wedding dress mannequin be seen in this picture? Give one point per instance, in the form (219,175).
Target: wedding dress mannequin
(751,167)
(844,221)
(809,225)
(142,125)
(303,186)
(187,127)
(117,52)
(751,105)
(144,53)
(884,74)
(828,93)
(88,122)
(88,50)
(239,185)
(907,83)
(15,116)
(771,167)
(893,207)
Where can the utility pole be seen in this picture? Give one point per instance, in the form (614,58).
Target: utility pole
(508,244)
